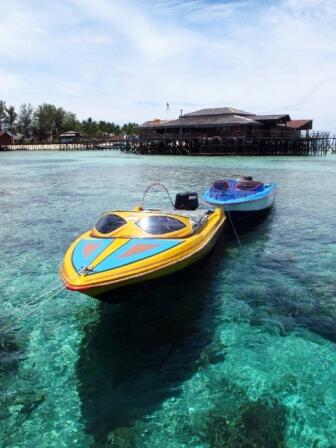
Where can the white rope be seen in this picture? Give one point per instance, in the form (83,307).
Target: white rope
(14,324)
(37,298)
(55,290)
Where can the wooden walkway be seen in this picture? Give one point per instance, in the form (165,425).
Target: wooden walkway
(79,146)
(316,144)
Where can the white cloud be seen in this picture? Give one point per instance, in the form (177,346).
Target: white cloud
(19,31)
(9,82)
(143,36)
(123,60)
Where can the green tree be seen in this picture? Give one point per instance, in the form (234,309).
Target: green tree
(59,119)
(89,128)
(114,128)
(2,114)
(129,128)
(48,122)
(70,122)
(102,128)
(10,120)
(44,118)
(25,120)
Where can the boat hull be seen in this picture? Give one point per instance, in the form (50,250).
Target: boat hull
(249,206)
(99,291)
(181,255)
(253,206)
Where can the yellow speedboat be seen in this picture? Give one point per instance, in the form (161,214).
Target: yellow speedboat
(126,247)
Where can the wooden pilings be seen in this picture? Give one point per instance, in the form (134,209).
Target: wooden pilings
(313,144)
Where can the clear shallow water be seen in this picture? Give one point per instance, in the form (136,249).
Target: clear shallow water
(239,351)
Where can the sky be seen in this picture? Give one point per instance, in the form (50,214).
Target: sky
(124,60)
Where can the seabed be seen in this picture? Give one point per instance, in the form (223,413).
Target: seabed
(239,351)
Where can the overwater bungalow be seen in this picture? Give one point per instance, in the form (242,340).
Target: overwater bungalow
(225,130)
(69,137)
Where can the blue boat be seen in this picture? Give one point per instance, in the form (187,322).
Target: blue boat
(241,196)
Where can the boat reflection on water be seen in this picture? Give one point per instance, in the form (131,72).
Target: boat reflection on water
(140,352)
(244,225)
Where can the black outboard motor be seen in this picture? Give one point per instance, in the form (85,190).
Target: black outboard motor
(186,201)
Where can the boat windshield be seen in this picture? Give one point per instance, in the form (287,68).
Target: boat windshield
(159,225)
(109,223)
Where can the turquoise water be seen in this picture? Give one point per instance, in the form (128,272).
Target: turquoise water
(237,352)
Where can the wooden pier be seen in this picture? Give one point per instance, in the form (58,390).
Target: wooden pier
(86,145)
(315,144)
(227,130)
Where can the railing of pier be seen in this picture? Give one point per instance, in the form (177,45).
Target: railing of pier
(71,146)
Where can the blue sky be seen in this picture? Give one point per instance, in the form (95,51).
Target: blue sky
(122,60)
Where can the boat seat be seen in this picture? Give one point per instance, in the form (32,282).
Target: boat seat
(249,185)
(221,185)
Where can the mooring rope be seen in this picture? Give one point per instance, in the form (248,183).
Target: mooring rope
(34,302)
(233,227)
(13,325)
(38,298)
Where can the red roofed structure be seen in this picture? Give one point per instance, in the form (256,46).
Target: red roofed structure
(5,138)
(300,125)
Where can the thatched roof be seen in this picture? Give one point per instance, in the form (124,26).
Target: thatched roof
(270,118)
(225,116)
(202,121)
(217,111)
(70,134)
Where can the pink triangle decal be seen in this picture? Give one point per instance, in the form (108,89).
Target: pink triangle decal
(138,249)
(89,248)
